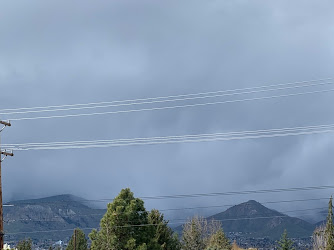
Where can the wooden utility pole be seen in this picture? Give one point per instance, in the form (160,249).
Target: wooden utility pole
(5,153)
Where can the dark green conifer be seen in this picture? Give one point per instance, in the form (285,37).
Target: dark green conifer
(79,239)
(285,243)
(127,225)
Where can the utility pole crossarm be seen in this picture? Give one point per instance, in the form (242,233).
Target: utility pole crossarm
(7,153)
(5,123)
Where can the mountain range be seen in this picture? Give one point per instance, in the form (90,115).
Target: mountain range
(51,218)
(54,218)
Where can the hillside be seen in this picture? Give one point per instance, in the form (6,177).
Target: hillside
(262,222)
(33,218)
(41,219)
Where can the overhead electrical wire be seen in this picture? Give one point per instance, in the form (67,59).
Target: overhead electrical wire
(241,135)
(172,107)
(155,224)
(174,96)
(180,219)
(219,206)
(50,231)
(184,208)
(212,95)
(231,193)
(214,194)
(247,132)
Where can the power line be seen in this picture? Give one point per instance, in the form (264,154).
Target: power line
(151,224)
(100,214)
(168,97)
(220,206)
(215,194)
(177,221)
(231,193)
(234,133)
(247,132)
(174,139)
(174,209)
(144,225)
(212,95)
(50,231)
(172,107)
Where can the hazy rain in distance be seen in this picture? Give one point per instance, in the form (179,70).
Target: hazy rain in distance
(72,52)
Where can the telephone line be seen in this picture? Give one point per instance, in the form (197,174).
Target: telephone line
(195,195)
(148,139)
(172,107)
(191,140)
(89,215)
(151,224)
(219,206)
(167,97)
(163,101)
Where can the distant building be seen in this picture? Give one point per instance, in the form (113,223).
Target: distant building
(6,247)
(59,243)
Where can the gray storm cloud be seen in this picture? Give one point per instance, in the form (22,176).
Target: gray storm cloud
(56,52)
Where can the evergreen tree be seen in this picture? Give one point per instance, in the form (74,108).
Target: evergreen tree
(218,241)
(285,243)
(80,240)
(163,236)
(116,230)
(24,245)
(329,231)
(120,227)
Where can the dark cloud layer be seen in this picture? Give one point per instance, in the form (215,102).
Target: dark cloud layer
(60,52)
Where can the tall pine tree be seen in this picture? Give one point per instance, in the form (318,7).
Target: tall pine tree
(79,240)
(118,228)
(163,236)
(285,243)
(127,225)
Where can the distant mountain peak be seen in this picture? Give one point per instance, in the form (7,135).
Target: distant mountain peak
(254,219)
(252,202)
(250,208)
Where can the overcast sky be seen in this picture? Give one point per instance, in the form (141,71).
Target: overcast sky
(68,52)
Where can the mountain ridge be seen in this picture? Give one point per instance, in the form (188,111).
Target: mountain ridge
(42,218)
(66,212)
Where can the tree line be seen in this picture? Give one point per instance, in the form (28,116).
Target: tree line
(128,225)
